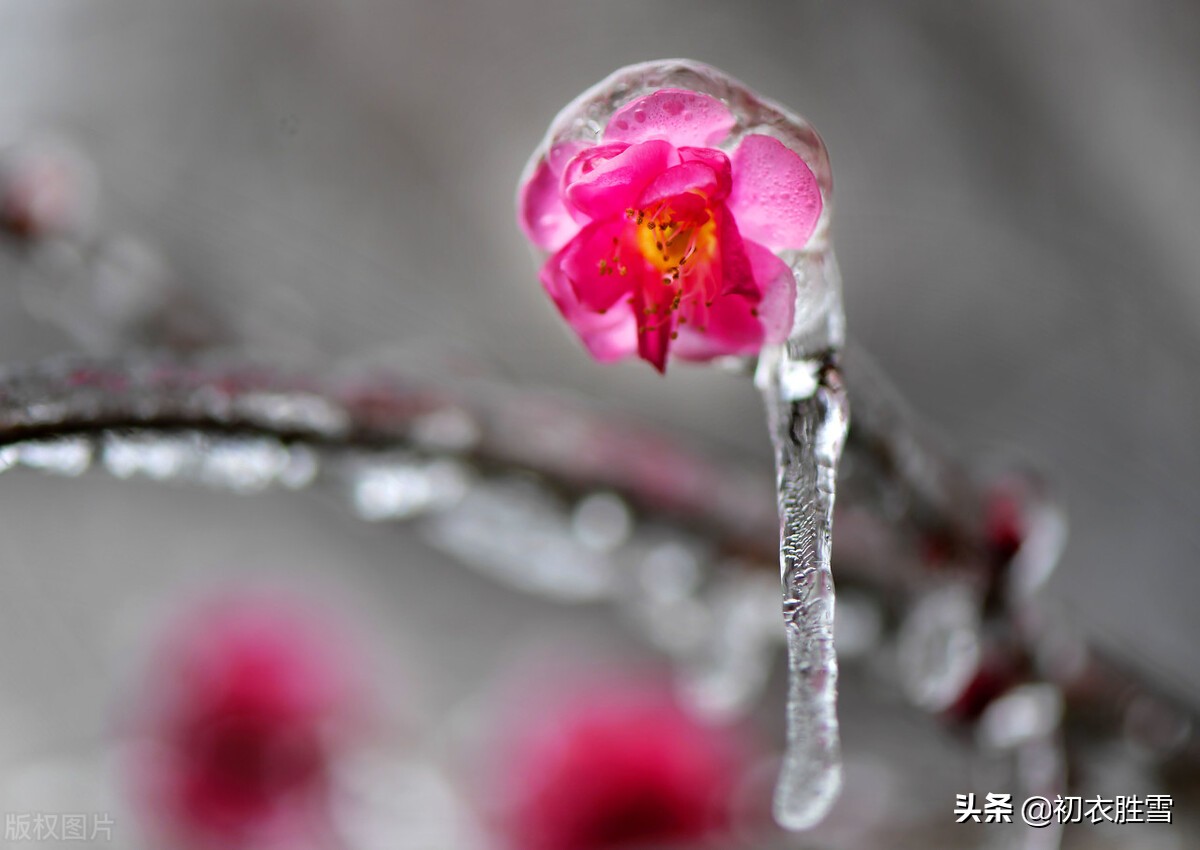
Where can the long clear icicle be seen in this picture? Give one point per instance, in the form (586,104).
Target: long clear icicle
(808,421)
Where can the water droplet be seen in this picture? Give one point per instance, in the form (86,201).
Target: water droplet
(399,489)
(292,411)
(158,457)
(244,465)
(661,591)
(939,647)
(741,640)
(1027,713)
(670,570)
(602,522)
(70,456)
(518,533)
(302,467)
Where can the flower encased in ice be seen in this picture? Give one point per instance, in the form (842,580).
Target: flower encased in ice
(660,241)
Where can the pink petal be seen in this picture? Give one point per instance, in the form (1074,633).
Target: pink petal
(610,341)
(717,161)
(743,319)
(588,158)
(594,261)
(679,116)
(687,177)
(651,305)
(608,336)
(737,275)
(608,180)
(542,210)
(729,326)
(777,287)
(775,195)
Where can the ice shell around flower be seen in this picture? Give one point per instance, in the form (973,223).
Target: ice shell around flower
(685,118)
(662,243)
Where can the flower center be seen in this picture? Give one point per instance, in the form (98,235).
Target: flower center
(676,234)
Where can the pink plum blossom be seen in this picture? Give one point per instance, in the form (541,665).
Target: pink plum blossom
(661,242)
(241,713)
(618,764)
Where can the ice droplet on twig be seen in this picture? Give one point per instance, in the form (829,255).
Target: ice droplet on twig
(67,456)
(401,487)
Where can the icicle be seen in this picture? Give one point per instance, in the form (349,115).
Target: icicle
(808,416)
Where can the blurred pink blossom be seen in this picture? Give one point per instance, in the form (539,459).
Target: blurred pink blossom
(242,711)
(617,765)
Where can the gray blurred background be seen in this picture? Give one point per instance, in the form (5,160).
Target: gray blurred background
(1017,196)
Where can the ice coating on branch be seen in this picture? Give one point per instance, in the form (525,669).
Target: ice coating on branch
(680,215)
